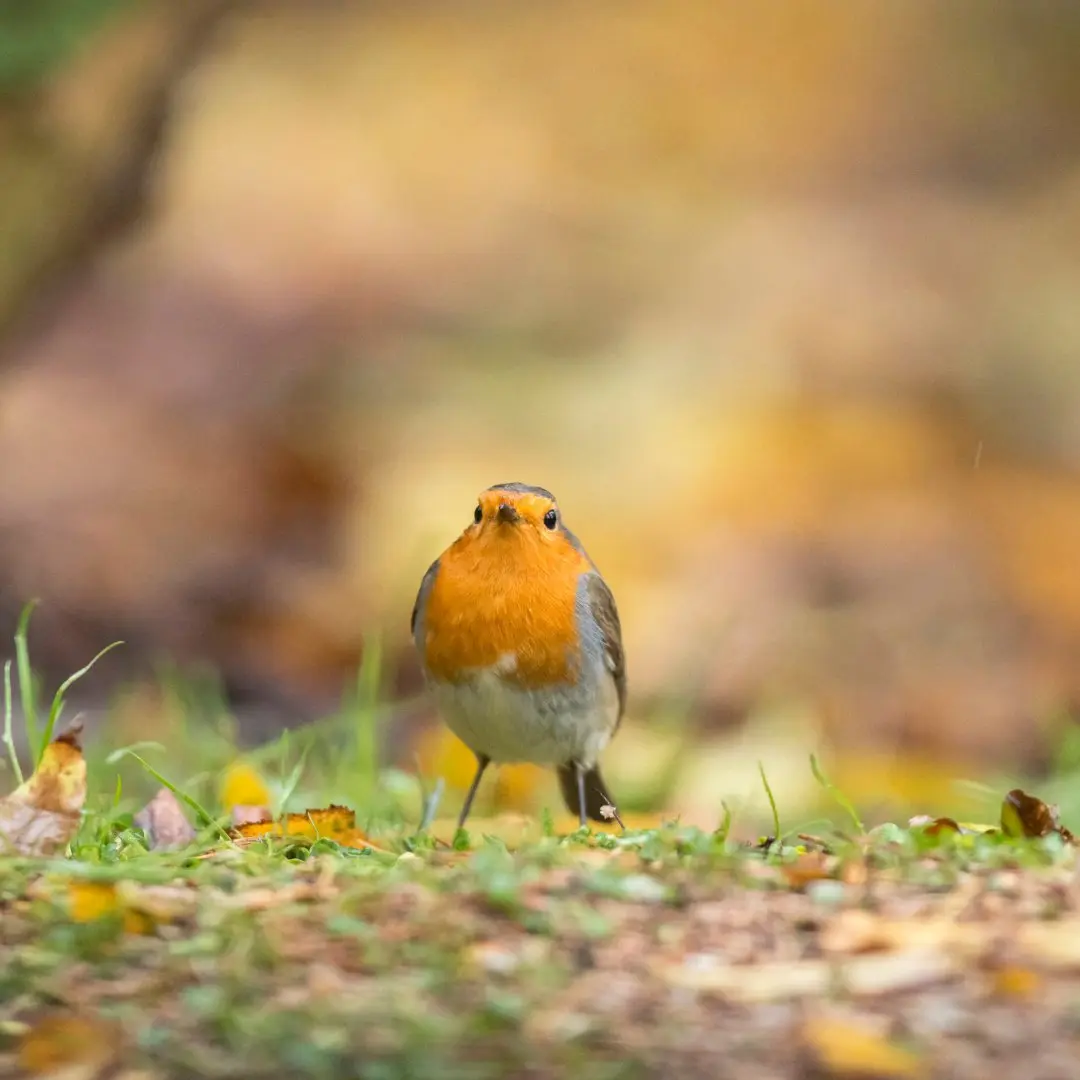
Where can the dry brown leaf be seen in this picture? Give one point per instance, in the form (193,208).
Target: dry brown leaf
(337,823)
(934,826)
(42,815)
(164,822)
(1025,815)
(806,867)
(843,1048)
(64,1042)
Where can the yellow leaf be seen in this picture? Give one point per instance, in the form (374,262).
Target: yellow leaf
(336,823)
(845,1049)
(243,786)
(63,1042)
(89,901)
(41,816)
(1012,981)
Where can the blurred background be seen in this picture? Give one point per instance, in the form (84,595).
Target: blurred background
(782,304)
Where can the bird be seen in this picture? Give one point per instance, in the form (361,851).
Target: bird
(521,646)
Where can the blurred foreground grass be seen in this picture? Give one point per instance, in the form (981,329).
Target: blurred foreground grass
(215,934)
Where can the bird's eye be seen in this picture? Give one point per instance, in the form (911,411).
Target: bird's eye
(551,519)
(478,515)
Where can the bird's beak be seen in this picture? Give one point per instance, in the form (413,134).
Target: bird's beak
(506,513)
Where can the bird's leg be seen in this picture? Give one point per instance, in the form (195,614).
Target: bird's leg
(581,793)
(482,762)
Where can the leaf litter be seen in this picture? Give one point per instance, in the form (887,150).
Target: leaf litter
(164,822)
(42,815)
(826,956)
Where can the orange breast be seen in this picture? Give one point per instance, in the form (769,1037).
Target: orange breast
(510,603)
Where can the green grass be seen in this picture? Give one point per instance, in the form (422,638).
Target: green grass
(414,957)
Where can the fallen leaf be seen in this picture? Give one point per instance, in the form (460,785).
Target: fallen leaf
(844,1048)
(807,867)
(89,901)
(934,826)
(243,786)
(164,822)
(337,823)
(63,1042)
(42,815)
(1025,815)
(1013,981)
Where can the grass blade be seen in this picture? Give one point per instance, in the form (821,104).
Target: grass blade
(723,830)
(367,728)
(58,697)
(772,803)
(842,800)
(205,819)
(27,690)
(288,789)
(431,805)
(9,740)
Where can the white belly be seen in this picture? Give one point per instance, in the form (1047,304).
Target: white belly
(548,727)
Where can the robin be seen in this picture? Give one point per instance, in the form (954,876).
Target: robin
(520,644)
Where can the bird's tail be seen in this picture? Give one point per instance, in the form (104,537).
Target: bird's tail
(596,793)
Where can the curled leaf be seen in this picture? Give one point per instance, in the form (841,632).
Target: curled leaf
(337,823)
(1024,815)
(42,815)
(935,826)
(164,822)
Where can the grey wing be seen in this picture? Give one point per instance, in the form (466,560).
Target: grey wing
(421,599)
(606,615)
